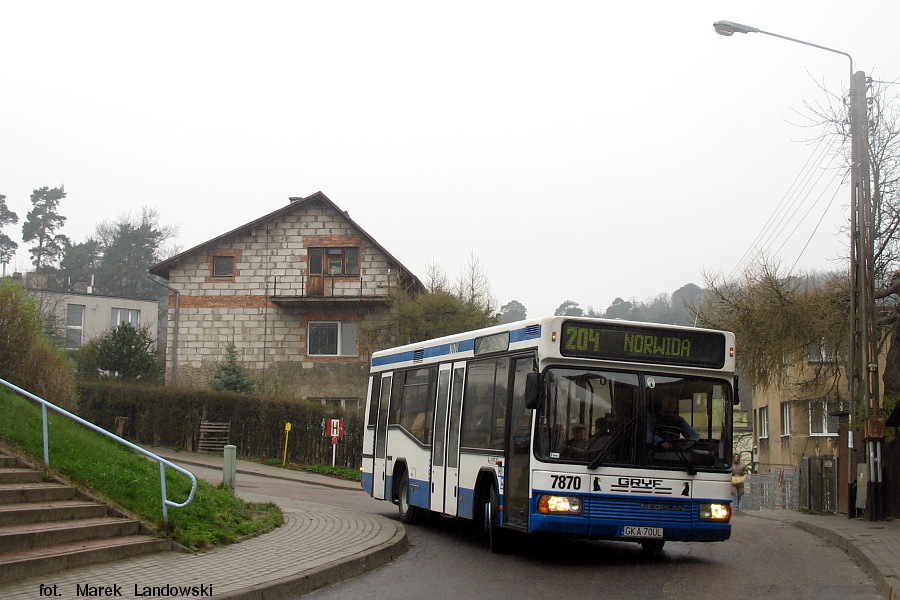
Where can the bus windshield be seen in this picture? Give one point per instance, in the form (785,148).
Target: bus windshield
(634,419)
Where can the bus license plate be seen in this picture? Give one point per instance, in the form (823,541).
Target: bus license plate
(642,532)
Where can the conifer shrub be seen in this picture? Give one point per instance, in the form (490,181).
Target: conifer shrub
(231,375)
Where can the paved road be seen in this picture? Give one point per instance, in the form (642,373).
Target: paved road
(764,559)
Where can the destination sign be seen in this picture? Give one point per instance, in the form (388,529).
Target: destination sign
(644,344)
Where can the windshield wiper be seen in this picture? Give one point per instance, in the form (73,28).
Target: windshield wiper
(610,444)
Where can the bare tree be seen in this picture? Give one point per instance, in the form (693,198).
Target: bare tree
(782,320)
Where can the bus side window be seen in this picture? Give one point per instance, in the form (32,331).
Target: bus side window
(417,403)
(373,400)
(484,411)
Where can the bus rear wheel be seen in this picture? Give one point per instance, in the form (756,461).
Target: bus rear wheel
(409,514)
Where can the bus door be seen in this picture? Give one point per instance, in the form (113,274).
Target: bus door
(517,488)
(451,477)
(378,468)
(440,437)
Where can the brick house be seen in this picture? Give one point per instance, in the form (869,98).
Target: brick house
(292,290)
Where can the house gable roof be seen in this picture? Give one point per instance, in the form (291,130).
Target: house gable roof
(162,269)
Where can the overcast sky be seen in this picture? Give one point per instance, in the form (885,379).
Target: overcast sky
(580,150)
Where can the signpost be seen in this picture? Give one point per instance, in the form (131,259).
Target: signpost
(335,430)
(287,432)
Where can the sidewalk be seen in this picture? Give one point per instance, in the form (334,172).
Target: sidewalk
(318,545)
(875,545)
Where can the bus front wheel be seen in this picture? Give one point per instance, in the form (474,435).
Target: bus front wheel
(497,537)
(651,550)
(409,514)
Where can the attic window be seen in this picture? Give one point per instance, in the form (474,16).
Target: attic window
(223,266)
(334,261)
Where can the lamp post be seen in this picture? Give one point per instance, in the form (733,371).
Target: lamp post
(864,389)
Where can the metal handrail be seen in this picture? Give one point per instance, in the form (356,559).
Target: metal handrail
(163,463)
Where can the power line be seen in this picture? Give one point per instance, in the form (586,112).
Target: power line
(799,194)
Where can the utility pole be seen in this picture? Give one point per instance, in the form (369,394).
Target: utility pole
(864,387)
(863,375)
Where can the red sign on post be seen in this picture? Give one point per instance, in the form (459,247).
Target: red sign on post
(334,439)
(335,429)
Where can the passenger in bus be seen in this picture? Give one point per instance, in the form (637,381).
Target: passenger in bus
(603,426)
(666,426)
(603,429)
(577,446)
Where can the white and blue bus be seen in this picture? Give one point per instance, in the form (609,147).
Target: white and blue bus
(594,428)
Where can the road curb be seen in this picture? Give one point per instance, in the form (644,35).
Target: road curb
(197,463)
(884,578)
(335,572)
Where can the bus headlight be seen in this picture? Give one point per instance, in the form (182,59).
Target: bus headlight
(715,511)
(568,505)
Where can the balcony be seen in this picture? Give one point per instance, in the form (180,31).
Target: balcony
(328,292)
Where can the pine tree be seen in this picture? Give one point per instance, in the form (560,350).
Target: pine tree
(231,376)
(40,227)
(7,245)
(126,351)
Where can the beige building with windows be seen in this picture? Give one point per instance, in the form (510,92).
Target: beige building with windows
(82,316)
(795,419)
(292,290)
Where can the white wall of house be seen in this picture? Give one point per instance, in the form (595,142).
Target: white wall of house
(83,317)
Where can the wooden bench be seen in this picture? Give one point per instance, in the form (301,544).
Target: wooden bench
(213,436)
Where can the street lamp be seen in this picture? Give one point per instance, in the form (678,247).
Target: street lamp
(728,28)
(864,349)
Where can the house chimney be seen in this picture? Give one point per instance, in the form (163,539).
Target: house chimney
(294,199)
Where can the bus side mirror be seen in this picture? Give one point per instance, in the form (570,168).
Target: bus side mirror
(532,390)
(737,396)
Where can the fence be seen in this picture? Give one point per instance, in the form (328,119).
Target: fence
(779,489)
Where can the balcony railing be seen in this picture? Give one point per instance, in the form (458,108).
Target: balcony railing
(325,288)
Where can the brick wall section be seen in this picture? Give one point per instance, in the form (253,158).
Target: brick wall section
(272,258)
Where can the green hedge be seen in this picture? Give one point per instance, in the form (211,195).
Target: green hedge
(164,416)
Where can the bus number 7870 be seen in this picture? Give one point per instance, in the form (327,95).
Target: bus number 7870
(565,482)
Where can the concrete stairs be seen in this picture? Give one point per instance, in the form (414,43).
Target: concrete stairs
(46,526)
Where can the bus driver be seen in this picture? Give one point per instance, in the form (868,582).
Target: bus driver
(666,426)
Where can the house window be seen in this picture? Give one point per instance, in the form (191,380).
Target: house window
(822,421)
(764,422)
(333,338)
(822,353)
(334,261)
(74,326)
(125,315)
(785,419)
(223,266)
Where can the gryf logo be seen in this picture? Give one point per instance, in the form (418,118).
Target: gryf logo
(641,485)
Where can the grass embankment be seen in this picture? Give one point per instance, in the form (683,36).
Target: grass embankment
(101,465)
(338,471)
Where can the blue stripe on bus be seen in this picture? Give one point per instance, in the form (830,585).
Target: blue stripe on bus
(367,481)
(526,333)
(466,503)
(532,332)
